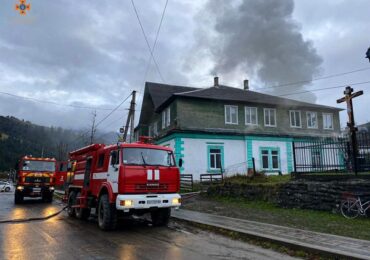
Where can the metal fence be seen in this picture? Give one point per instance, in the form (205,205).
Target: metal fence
(337,154)
(211,178)
(186,182)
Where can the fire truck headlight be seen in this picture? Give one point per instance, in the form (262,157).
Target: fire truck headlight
(51,188)
(20,187)
(176,201)
(126,203)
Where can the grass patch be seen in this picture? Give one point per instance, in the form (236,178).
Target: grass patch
(258,179)
(319,221)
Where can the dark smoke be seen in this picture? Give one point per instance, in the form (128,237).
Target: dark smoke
(258,39)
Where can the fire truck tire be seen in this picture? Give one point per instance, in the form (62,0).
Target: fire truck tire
(107,214)
(47,197)
(82,213)
(18,198)
(161,217)
(71,201)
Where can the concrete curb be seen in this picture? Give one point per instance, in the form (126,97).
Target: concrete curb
(329,252)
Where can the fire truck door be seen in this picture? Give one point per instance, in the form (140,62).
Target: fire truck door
(112,176)
(87,172)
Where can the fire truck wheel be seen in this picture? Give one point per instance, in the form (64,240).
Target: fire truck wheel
(47,197)
(71,201)
(82,213)
(18,198)
(161,217)
(107,213)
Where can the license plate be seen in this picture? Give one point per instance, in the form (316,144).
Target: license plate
(153,202)
(36,189)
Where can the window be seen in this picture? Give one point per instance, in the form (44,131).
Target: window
(327,121)
(150,131)
(215,158)
(144,156)
(311,120)
(100,160)
(270,116)
(251,116)
(163,119)
(114,158)
(231,115)
(166,117)
(155,128)
(295,118)
(270,159)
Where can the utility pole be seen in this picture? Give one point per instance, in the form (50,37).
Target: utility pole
(130,118)
(93,130)
(348,96)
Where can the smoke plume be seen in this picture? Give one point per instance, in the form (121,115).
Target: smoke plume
(259,39)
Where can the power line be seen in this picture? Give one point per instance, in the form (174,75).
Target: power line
(315,79)
(146,40)
(155,41)
(101,121)
(120,104)
(52,103)
(321,89)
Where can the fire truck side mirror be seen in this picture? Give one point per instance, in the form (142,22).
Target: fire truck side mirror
(180,162)
(114,159)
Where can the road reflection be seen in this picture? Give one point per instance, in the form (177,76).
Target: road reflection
(127,252)
(14,242)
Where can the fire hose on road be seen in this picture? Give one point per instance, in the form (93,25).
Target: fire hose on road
(33,219)
(184,196)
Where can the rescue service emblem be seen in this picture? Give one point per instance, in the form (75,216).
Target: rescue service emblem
(22,7)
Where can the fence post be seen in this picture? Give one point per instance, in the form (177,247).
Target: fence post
(294,158)
(254,166)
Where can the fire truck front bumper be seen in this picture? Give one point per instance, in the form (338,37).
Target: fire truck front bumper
(147,201)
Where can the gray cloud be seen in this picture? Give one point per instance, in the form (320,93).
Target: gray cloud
(257,38)
(81,52)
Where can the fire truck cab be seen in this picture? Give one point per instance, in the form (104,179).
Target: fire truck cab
(35,178)
(123,180)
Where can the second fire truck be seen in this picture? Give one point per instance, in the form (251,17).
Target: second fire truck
(122,180)
(35,178)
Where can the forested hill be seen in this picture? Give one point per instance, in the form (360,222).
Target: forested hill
(19,138)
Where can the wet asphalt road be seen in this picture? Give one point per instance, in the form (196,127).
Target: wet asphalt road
(65,238)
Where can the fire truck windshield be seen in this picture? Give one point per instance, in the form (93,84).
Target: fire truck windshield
(41,166)
(144,156)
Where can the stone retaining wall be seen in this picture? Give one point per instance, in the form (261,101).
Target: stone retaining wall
(295,194)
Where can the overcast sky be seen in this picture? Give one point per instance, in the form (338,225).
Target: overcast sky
(93,53)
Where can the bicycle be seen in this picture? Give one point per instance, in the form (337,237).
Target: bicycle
(351,206)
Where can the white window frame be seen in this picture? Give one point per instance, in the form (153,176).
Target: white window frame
(237,116)
(168,116)
(323,121)
(163,119)
(264,116)
(150,130)
(250,115)
(155,128)
(295,119)
(308,119)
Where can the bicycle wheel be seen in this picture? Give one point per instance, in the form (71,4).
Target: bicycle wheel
(349,208)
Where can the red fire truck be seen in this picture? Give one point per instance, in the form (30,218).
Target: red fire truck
(122,180)
(35,178)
